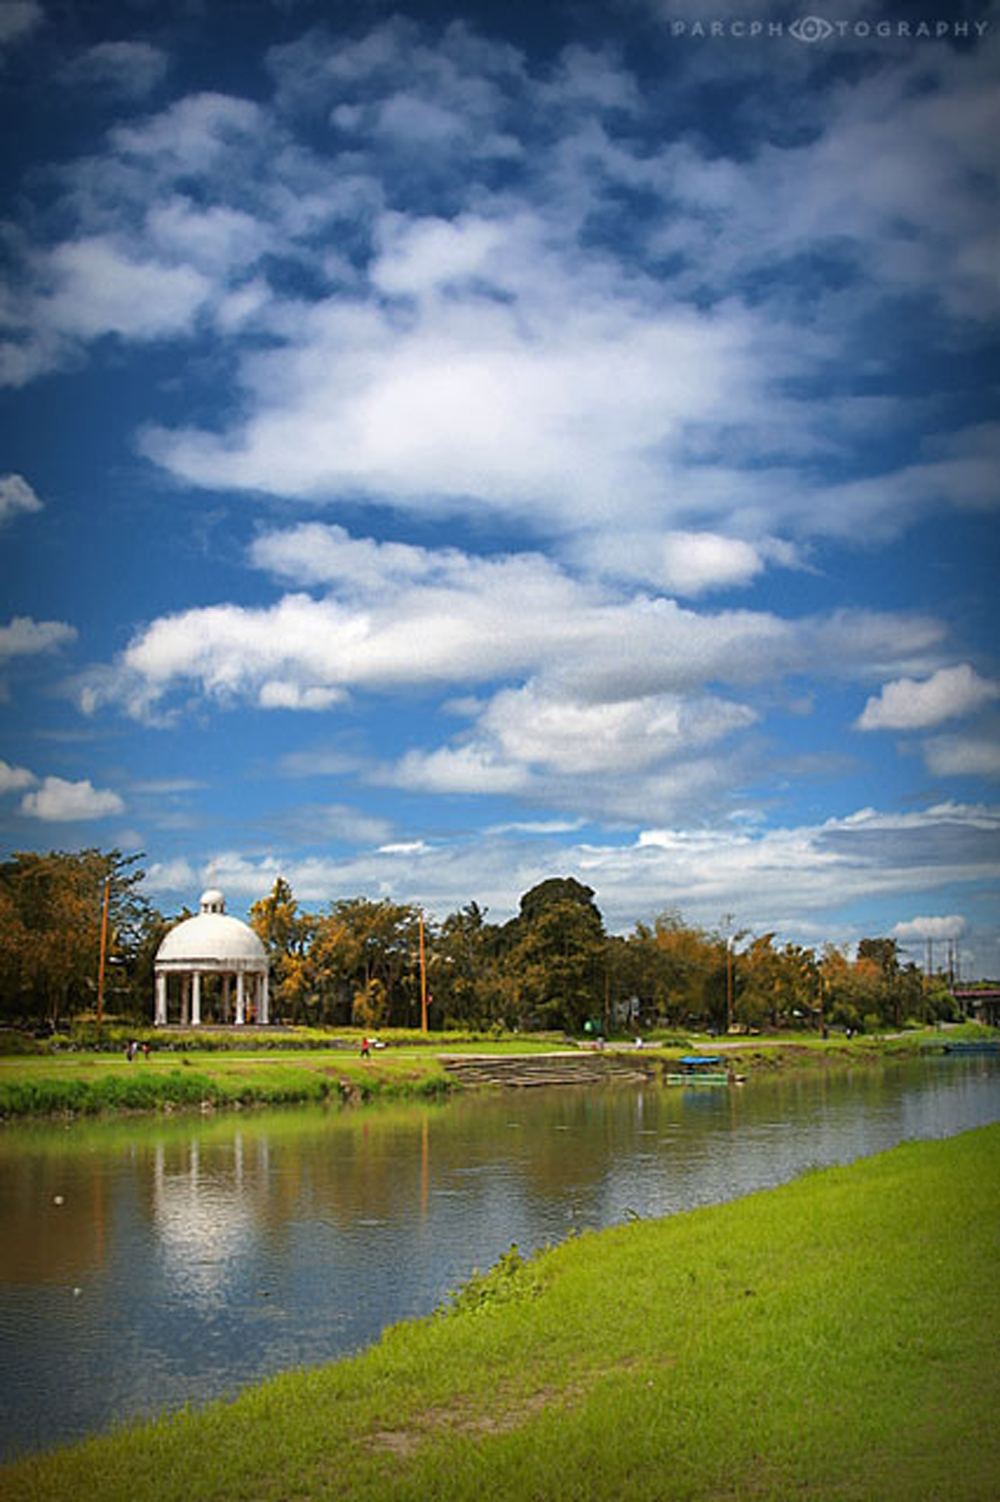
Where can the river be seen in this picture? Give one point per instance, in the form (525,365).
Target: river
(146,1263)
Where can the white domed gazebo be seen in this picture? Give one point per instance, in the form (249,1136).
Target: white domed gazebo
(212,944)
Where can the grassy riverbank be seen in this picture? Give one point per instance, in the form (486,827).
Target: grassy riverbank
(88,1084)
(186,1077)
(832,1338)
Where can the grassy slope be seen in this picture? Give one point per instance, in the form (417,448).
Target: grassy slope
(87,1083)
(833,1338)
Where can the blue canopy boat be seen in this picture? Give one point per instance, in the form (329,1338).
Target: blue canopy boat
(703,1069)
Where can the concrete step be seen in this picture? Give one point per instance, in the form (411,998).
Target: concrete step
(525,1070)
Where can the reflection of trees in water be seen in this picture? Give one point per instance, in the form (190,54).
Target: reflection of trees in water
(56,1221)
(219,1194)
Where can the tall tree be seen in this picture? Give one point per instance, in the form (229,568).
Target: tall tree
(558,956)
(54,905)
(287,935)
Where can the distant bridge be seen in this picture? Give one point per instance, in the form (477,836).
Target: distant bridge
(983,1004)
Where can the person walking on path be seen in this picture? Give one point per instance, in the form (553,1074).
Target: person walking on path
(365,1048)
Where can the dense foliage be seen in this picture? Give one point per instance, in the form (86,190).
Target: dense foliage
(51,914)
(358,962)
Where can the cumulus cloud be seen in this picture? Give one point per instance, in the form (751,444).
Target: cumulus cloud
(99,287)
(614,759)
(16,496)
(909,704)
(59,801)
(951,927)
(683,563)
(24,637)
(13,779)
(396,616)
(562,396)
(967,755)
(583,396)
(599,389)
(17,19)
(129,69)
(781,877)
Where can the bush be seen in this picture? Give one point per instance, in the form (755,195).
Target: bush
(509,1279)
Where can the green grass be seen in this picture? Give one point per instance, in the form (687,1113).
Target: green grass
(87,1084)
(834,1338)
(83,1084)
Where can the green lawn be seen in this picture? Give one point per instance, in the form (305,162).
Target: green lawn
(85,1083)
(89,1083)
(834,1338)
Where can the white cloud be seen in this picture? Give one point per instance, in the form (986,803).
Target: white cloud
(13,779)
(461,769)
(599,393)
(16,496)
(278,693)
(24,637)
(320,823)
(535,725)
(568,398)
(696,561)
(589,400)
(909,704)
(98,288)
(128,69)
(411,616)
(192,135)
(58,801)
(214,241)
(951,927)
(965,755)
(682,563)
(856,864)
(17,19)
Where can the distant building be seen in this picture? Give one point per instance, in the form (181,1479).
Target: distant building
(211,966)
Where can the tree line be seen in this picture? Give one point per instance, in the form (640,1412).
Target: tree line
(375,963)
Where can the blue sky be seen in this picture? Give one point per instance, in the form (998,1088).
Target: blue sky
(448,447)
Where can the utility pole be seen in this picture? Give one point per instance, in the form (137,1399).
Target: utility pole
(104,951)
(423,980)
(728,923)
(729,985)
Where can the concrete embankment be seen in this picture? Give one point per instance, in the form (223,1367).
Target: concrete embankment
(563,1068)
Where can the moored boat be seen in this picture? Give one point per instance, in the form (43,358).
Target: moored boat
(703,1069)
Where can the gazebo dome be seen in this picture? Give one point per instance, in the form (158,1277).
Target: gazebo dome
(212,937)
(212,944)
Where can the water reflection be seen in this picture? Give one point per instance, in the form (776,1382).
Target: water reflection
(147,1263)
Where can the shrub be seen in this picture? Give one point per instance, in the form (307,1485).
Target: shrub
(510,1278)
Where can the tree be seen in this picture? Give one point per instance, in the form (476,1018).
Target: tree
(463,970)
(361,941)
(882,952)
(287,935)
(558,955)
(52,908)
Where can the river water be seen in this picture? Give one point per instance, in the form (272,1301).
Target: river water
(151,1262)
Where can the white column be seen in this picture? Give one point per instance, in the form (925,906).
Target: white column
(196,999)
(262,1014)
(160,1017)
(240,1000)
